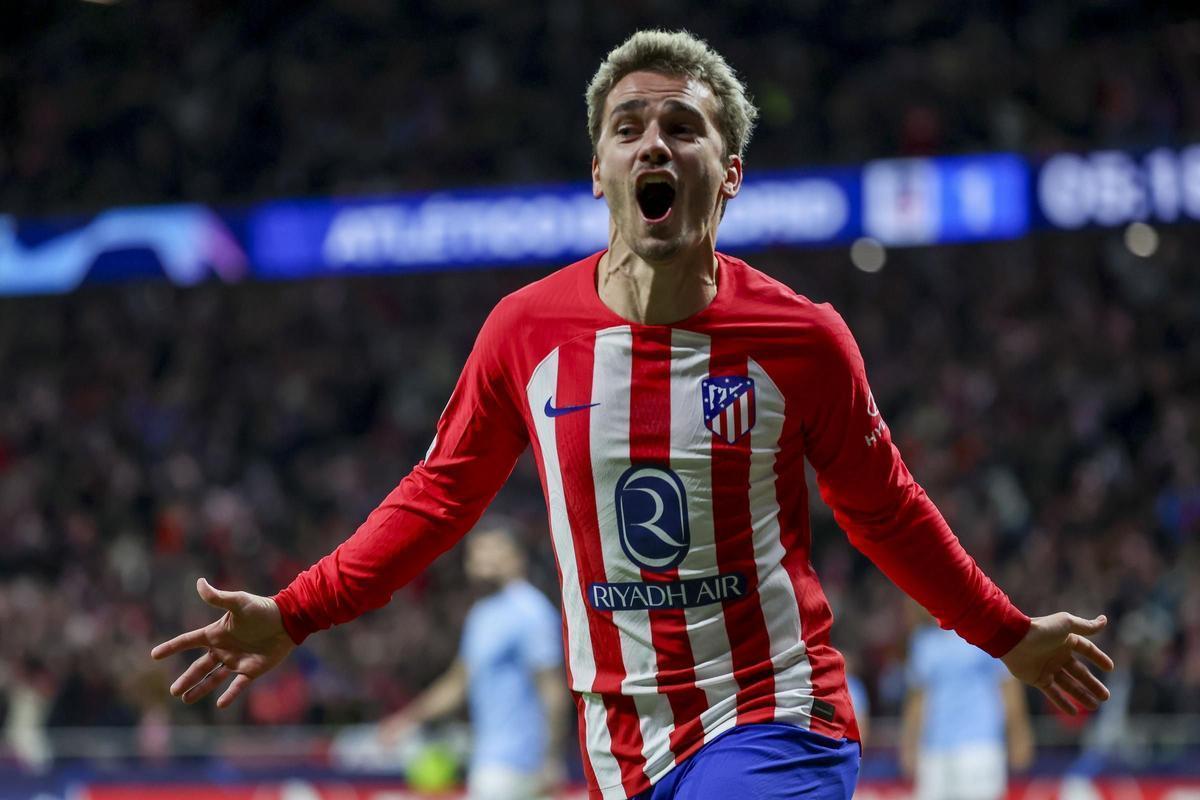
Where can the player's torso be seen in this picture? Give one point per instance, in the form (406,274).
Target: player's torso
(963,691)
(491,643)
(635,426)
(660,450)
(672,460)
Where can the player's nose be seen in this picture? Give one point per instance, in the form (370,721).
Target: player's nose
(654,150)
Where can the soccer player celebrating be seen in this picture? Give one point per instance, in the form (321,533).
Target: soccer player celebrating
(671,395)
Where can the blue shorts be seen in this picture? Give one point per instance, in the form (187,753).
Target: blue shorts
(766,761)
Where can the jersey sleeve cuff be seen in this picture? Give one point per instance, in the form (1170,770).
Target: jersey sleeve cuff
(295,622)
(1012,630)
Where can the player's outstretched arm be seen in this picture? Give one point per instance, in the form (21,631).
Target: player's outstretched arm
(247,641)
(1052,655)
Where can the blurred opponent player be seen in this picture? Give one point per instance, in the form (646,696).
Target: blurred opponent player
(860,701)
(965,720)
(509,671)
(671,395)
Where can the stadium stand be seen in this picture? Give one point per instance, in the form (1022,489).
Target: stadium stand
(1046,391)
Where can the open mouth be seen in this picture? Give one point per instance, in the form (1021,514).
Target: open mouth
(655,198)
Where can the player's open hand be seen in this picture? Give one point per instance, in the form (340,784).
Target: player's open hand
(248,640)
(1051,657)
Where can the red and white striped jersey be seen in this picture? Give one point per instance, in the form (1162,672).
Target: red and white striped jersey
(672,461)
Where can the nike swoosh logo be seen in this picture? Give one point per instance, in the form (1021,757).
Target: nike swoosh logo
(551,411)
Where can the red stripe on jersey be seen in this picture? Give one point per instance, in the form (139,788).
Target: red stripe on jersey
(573,438)
(650,397)
(749,640)
(650,443)
(828,668)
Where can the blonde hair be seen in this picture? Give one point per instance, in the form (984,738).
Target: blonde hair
(681,54)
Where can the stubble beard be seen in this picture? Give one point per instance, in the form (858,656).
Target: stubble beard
(657,251)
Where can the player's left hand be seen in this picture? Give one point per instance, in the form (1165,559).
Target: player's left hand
(246,641)
(1051,657)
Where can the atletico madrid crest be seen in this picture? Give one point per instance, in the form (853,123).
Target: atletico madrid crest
(728,405)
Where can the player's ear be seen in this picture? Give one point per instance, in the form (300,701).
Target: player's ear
(597,189)
(733,177)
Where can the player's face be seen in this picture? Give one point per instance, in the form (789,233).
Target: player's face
(661,166)
(491,560)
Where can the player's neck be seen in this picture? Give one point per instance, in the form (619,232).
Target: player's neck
(656,294)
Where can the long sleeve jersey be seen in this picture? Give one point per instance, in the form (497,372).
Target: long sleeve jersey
(672,463)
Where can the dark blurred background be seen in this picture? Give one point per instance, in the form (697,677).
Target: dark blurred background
(1045,391)
(148,102)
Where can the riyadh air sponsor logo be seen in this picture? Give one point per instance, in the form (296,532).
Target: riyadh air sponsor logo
(551,411)
(643,596)
(652,517)
(876,435)
(872,408)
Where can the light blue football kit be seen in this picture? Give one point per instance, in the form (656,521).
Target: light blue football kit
(962,752)
(508,638)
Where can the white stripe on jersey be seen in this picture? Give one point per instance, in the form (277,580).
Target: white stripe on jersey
(579,638)
(612,382)
(793,673)
(691,458)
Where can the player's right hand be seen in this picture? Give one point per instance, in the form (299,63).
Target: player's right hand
(247,641)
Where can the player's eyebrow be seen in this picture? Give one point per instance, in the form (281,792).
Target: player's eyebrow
(679,105)
(628,105)
(637,104)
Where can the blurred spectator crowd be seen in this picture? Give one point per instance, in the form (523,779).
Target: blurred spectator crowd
(1045,392)
(135,102)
